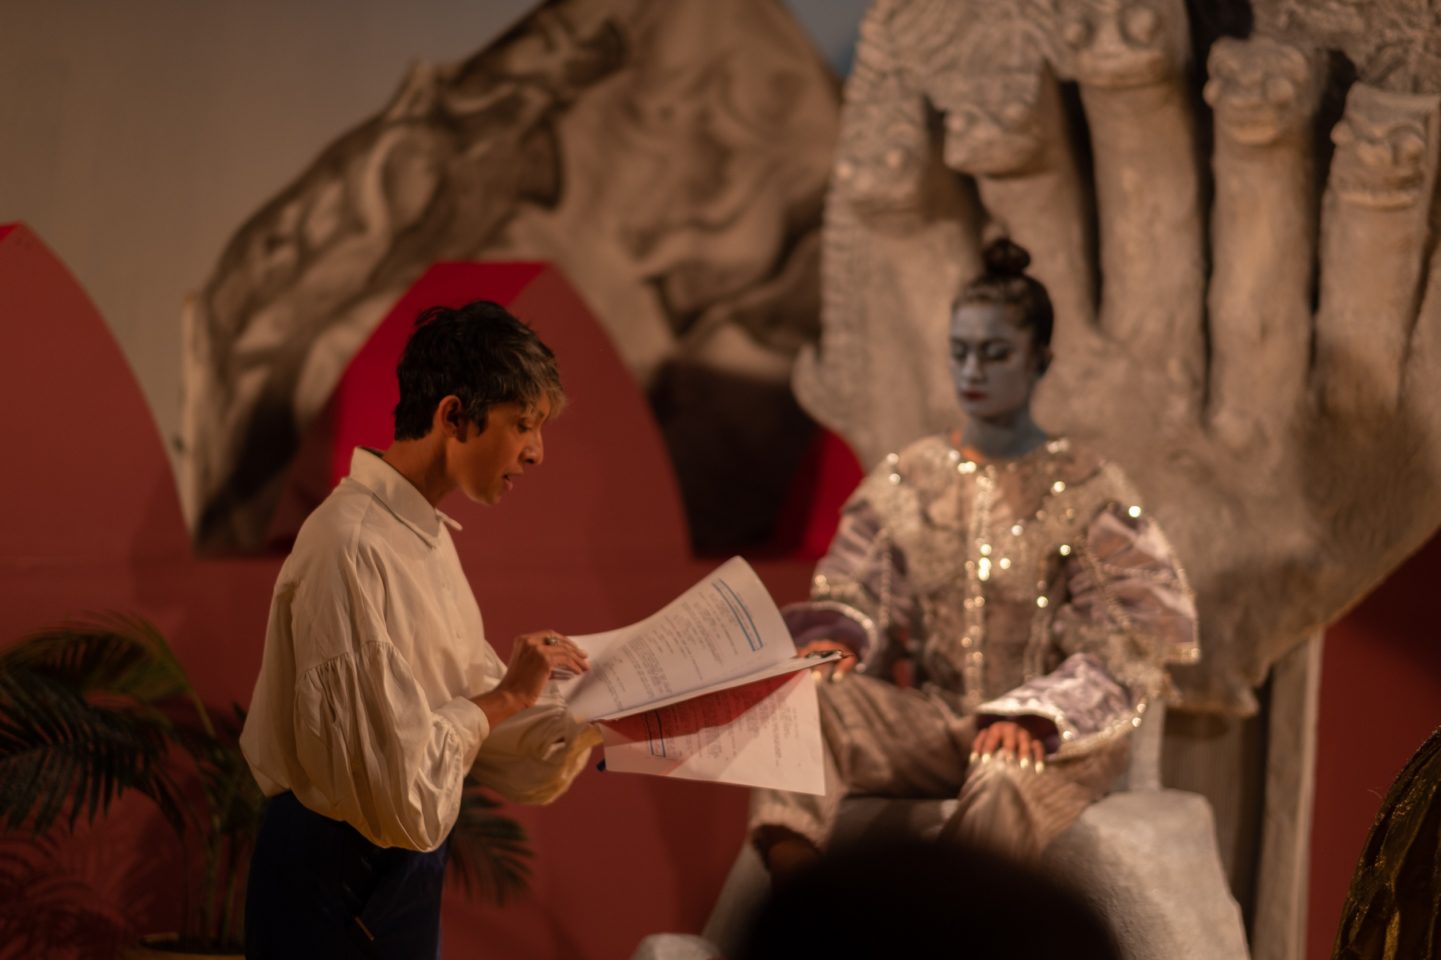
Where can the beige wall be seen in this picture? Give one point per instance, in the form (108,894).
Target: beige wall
(135,137)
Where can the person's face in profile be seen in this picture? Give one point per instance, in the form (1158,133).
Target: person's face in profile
(486,463)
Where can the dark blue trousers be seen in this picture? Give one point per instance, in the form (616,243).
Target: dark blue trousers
(319,889)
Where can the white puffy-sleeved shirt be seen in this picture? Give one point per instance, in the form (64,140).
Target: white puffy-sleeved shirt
(374,648)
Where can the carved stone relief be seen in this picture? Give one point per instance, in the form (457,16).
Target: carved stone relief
(1375,221)
(1394,44)
(671,158)
(1261,351)
(1122,43)
(1263,95)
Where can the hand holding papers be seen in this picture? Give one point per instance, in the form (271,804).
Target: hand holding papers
(707,688)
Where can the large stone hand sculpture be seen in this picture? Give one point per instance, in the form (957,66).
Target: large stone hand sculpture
(1278,398)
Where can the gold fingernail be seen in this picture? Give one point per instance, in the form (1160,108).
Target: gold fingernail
(985,758)
(1025,763)
(1040,766)
(974,757)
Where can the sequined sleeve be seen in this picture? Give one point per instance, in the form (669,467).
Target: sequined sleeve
(1128,611)
(860,593)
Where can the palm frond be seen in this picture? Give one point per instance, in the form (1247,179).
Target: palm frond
(45,909)
(93,708)
(109,656)
(488,850)
(234,806)
(85,713)
(60,753)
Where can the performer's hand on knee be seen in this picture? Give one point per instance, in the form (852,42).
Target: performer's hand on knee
(1011,741)
(985,743)
(1030,751)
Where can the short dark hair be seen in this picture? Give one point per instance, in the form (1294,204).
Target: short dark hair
(1006,282)
(482,354)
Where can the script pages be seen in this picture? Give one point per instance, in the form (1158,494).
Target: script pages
(707,688)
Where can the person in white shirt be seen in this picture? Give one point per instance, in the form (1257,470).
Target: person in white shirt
(377,689)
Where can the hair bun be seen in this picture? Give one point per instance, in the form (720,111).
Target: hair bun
(1005,258)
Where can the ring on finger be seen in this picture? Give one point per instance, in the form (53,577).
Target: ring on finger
(551,639)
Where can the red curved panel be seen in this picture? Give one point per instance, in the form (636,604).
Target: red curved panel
(602,514)
(77,429)
(90,500)
(593,538)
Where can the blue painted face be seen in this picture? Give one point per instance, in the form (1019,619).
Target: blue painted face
(994,363)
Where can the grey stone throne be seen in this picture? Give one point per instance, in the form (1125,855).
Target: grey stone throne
(1146,856)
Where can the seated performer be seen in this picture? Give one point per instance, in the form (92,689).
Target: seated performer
(1035,603)
(377,689)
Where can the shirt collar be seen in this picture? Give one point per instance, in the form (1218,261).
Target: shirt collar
(398,494)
